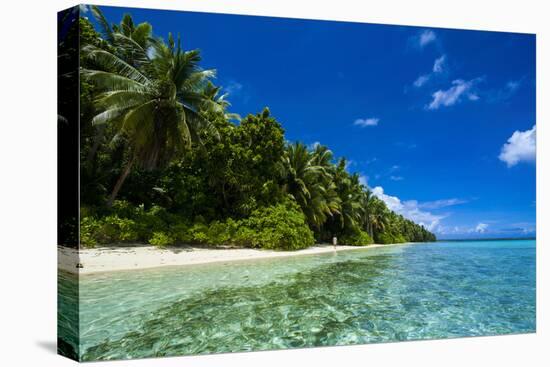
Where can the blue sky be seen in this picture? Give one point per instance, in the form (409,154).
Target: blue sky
(439,123)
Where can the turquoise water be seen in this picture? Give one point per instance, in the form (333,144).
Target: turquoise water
(408,292)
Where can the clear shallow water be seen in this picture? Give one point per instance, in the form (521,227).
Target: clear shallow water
(423,291)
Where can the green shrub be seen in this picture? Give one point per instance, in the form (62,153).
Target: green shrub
(123,223)
(399,238)
(198,233)
(386,238)
(115,229)
(125,209)
(359,238)
(222,233)
(147,222)
(88,229)
(180,232)
(161,239)
(110,229)
(281,227)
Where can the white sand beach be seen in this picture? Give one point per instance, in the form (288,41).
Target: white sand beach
(104,259)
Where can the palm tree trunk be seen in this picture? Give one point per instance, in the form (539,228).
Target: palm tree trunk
(120,181)
(371,234)
(97,141)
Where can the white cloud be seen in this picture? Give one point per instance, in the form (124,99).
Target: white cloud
(521,146)
(513,85)
(426,37)
(233,87)
(392,202)
(409,209)
(438,64)
(481,227)
(453,95)
(438,204)
(366,122)
(396,178)
(363,180)
(487,230)
(421,80)
(371,160)
(504,93)
(436,69)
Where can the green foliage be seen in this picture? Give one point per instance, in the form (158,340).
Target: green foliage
(88,229)
(281,227)
(308,177)
(116,229)
(389,238)
(359,238)
(161,239)
(109,229)
(123,223)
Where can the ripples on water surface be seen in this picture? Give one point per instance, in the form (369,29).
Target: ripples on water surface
(408,292)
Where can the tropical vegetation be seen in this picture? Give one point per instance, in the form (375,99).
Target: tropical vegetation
(164,161)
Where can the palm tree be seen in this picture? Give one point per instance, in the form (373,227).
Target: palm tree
(350,192)
(130,43)
(378,215)
(325,202)
(125,31)
(155,105)
(212,93)
(307,177)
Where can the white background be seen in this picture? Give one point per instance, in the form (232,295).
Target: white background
(28,182)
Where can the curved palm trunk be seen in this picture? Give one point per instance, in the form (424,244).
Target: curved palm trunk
(120,181)
(95,147)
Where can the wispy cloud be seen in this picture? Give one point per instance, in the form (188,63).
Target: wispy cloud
(426,37)
(439,64)
(402,144)
(481,227)
(437,68)
(421,80)
(443,203)
(486,229)
(363,180)
(371,160)
(521,146)
(504,93)
(409,209)
(372,121)
(233,87)
(513,85)
(390,173)
(449,97)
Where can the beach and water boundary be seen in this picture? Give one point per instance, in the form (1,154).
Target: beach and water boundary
(137,257)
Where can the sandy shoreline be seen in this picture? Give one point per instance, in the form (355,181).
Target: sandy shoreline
(105,259)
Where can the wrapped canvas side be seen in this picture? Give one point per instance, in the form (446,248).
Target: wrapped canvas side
(68,180)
